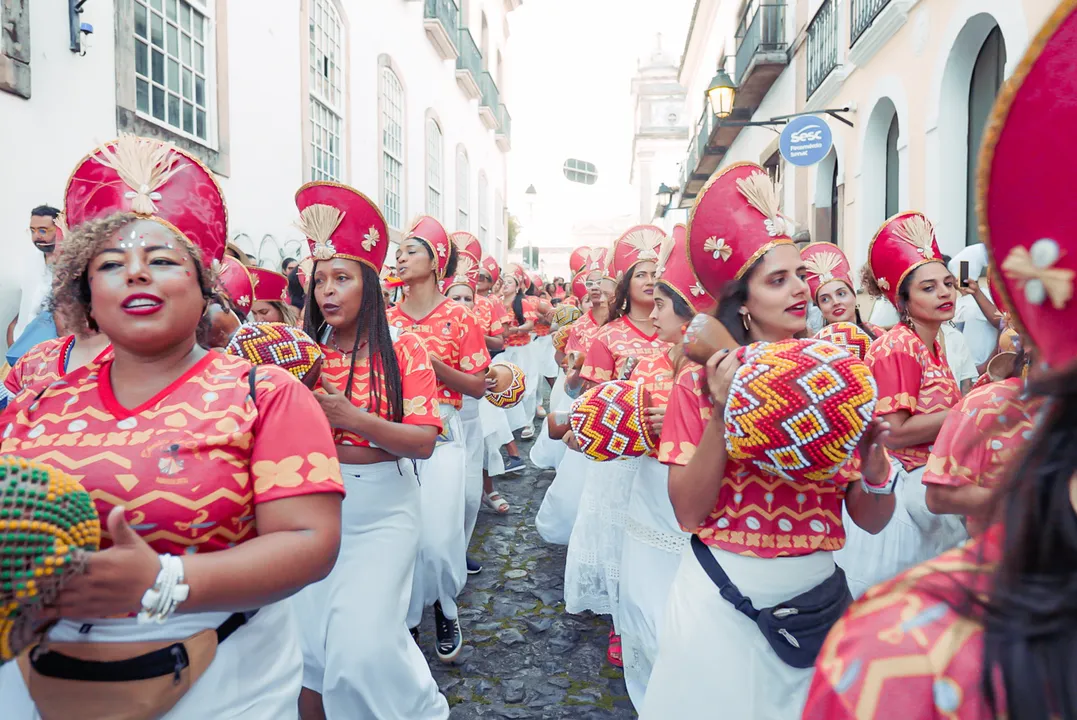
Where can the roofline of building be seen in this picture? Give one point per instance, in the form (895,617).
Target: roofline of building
(688,37)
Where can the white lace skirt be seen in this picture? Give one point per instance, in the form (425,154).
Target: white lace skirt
(912,536)
(652,550)
(593,565)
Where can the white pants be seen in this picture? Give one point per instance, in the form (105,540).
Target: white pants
(652,550)
(254,676)
(545,360)
(441,568)
(356,648)
(495,433)
(711,656)
(523,414)
(557,514)
(547,453)
(475,455)
(912,536)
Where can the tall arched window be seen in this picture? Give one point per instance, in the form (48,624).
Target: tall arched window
(326,67)
(892,170)
(835,207)
(987,76)
(392,146)
(434,181)
(463,190)
(484,208)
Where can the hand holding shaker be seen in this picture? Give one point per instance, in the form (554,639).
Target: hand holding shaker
(704,336)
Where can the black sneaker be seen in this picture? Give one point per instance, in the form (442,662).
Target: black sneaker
(474,567)
(450,636)
(414,634)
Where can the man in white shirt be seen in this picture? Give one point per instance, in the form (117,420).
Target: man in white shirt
(45,234)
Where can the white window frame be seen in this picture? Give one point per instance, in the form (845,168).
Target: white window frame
(463,190)
(327,94)
(391,100)
(151,8)
(435,165)
(484,207)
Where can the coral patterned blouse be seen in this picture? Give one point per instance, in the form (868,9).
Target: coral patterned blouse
(488,315)
(191,463)
(45,363)
(912,378)
(530,309)
(985,432)
(418,386)
(451,333)
(542,325)
(902,652)
(581,333)
(655,374)
(612,347)
(756,514)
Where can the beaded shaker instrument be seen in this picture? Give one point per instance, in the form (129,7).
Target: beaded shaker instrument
(281,345)
(48,524)
(847,335)
(798,408)
(560,339)
(508,389)
(608,421)
(565,315)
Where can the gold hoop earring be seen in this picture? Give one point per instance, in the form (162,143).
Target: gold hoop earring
(746,321)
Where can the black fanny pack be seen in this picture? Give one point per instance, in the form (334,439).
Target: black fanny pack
(796,628)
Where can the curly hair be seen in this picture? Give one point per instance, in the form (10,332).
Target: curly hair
(869,283)
(70,299)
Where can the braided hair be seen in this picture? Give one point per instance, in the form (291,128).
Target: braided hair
(384,369)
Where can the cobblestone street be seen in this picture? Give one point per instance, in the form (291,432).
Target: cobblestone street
(523,657)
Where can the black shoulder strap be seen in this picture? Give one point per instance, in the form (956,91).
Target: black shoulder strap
(252,383)
(726,588)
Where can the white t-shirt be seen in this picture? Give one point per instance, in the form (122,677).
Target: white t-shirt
(36,285)
(957,354)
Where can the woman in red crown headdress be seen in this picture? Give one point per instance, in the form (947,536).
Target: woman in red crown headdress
(270,299)
(480,418)
(917,390)
(830,283)
(988,629)
(653,539)
(216,509)
(592,565)
(496,421)
(457,347)
(522,316)
(560,504)
(378,390)
(773,537)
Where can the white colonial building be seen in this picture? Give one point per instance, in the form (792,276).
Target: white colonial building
(661,129)
(406,100)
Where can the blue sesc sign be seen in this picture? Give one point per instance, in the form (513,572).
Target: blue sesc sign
(806,140)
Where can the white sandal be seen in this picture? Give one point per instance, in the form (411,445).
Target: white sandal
(528,432)
(495,502)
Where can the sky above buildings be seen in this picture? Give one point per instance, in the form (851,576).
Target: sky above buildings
(572,64)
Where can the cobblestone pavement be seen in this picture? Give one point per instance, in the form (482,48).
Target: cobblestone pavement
(523,657)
